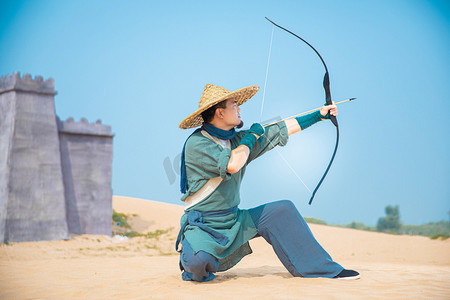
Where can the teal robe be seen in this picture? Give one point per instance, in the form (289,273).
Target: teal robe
(205,159)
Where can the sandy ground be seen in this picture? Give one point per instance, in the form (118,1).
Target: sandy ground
(103,267)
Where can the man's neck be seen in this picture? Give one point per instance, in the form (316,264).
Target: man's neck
(220,125)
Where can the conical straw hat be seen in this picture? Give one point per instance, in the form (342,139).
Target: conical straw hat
(212,95)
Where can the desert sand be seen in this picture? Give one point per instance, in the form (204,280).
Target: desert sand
(104,267)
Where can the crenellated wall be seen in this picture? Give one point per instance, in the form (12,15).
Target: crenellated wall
(86,156)
(55,177)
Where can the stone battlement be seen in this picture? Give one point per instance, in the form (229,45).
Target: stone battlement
(13,82)
(55,176)
(84,127)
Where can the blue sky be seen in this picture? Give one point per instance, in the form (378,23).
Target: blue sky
(141,66)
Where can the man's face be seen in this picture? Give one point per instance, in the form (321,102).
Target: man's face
(231,114)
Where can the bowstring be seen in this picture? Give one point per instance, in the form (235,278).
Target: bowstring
(260,117)
(267,73)
(290,167)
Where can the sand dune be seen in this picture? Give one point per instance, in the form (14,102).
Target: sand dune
(103,267)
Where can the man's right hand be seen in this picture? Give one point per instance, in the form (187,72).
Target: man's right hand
(240,154)
(257,130)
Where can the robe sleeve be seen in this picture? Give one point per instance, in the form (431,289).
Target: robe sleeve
(275,135)
(204,160)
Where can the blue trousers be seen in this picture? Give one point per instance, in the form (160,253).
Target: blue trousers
(282,226)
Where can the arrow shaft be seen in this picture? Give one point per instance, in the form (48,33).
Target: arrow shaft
(304,113)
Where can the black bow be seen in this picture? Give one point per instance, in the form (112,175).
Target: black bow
(326,86)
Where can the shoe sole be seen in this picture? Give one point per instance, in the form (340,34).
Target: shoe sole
(349,278)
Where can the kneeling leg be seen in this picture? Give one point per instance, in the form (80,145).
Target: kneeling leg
(284,228)
(198,266)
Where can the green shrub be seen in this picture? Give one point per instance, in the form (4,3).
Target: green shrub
(313,220)
(120,219)
(439,236)
(429,229)
(360,226)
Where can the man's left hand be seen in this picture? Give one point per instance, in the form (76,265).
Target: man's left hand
(332,109)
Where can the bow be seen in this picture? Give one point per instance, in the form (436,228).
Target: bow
(326,86)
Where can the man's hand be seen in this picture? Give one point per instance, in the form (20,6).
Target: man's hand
(257,130)
(332,109)
(240,155)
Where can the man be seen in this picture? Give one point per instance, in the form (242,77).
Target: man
(214,232)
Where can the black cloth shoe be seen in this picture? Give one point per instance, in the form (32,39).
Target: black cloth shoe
(347,274)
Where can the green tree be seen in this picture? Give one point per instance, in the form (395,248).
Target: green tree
(390,223)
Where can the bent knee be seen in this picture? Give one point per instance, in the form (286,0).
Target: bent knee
(273,213)
(284,206)
(195,267)
(200,263)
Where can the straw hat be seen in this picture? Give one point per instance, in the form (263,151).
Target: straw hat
(212,95)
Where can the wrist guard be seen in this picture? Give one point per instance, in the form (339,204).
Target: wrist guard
(308,120)
(249,138)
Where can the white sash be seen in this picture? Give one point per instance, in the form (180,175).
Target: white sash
(211,185)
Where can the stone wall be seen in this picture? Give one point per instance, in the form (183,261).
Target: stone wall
(55,177)
(86,156)
(7,110)
(33,206)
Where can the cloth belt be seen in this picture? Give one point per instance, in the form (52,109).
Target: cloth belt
(195,218)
